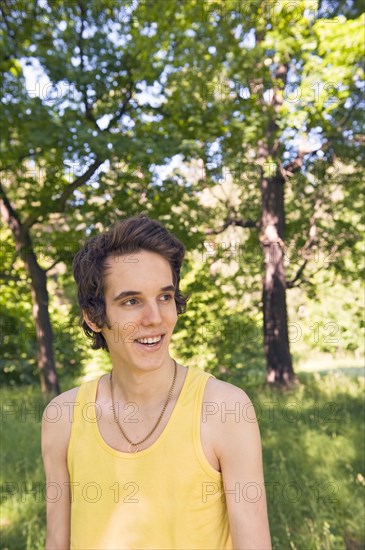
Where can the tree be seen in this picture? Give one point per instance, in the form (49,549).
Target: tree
(124,87)
(81,139)
(286,102)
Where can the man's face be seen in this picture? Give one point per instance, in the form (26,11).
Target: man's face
(139,299)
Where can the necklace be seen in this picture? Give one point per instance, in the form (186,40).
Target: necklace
(131,444)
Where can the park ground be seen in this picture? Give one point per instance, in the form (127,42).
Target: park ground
(313,445)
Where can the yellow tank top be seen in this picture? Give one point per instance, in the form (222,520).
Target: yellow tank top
(166,497)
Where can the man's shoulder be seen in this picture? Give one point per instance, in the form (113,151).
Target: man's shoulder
(220,392)
(226,409)
(62,401)
(56,425)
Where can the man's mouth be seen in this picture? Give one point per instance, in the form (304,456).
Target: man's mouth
(151,342)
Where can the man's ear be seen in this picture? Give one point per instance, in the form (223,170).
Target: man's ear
(92,325)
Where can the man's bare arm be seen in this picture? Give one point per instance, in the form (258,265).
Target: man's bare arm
(56,431)
(240,456)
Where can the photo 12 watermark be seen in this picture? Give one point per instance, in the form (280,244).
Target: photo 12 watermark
(252,492)
(91,492)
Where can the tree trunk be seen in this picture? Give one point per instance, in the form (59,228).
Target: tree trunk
(46,363)
(279,368)
(23,243)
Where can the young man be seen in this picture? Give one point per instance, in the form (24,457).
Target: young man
(154,455)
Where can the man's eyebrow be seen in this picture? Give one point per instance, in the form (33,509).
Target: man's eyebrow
(128,293)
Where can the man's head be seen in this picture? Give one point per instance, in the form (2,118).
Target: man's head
(122,242)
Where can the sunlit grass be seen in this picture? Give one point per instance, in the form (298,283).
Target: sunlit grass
(313,455)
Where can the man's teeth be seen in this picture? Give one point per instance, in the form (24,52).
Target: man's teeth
(149,340)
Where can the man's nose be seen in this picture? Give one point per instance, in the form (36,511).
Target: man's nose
(151,314)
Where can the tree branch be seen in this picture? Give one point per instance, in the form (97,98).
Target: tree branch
(71,187)
(232,222)
(67,192)
(57,261)
(89,115)
(348,114)
(8,277)
(23,242)
(310,242)
(8,212)
(123,109)
(296,164)
(297,277)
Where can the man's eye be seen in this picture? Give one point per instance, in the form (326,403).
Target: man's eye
(130,302)
(166,297)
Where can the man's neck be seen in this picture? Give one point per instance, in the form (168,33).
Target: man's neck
(146,388)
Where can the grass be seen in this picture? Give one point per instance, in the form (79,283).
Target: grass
(22,477)
(313,440)
(313,444)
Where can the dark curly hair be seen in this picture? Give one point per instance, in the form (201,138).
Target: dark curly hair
(131,235)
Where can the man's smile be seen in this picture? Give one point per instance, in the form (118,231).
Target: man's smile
(150,342)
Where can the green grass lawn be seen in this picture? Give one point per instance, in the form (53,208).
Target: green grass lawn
(313,441)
